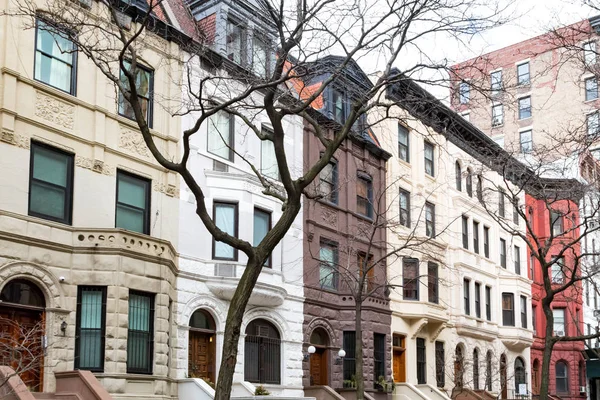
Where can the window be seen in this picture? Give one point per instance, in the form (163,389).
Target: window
(497,115)
(559,322)
(378,356)
(432,282)
(591,89)
(141,333)
(50,184)
(467,296)
(90,328)
(458,176)
(404,208)
(523,74)
(516,211)
(593,124)
(486,242)
(478,299)
(364,196)
(133,203)
(488,371)
(480,188)
(262,353)
(429,165)
(589,332)
(508,309)
(225,216)
(429,220)
(556,221)
(534,319)
(268,160)
(144,87)
(235,42)
(349,363)
(365,264)
(403,143)
(338,106)
(328,254)
(476,237)
(55,58)
(410,279)
(488,303)
(526,141)
(261,53)
(421,361)
(464,93)
(469,182)
(557,269)
(503,253)
(589,53)
(262,225)
(220,135)
(517,259)
(328,182)
(562,377)
(501,204)
(465,232)
(496,79)
(523,312)
(525,107)
(476,369)
(440,364)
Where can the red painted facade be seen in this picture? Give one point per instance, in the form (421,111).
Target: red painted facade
(570,300)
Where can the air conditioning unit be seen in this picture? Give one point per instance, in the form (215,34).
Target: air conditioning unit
(581,389)
(559,333)
(225,270)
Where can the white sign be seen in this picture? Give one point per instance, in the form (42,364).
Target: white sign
(523,389)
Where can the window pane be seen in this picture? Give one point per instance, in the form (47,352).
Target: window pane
(234,42)
(130,218)
(261,225)
(219,135)
(50,166)
(139,336)
(268,162)
(90,353)
(259,57)
(53,72)
(132,191)
(47,200)
(225,218)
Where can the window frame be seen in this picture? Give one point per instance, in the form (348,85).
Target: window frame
(477,299)
(486,241)
(433,295)
(410,262)
(524,111)
(557,223)
(565,377)
(333,268)
(338,93)
(526,146)
(502,251)
(263,168)
(77,351)
(148,199)
(488,302)
(74,61)
(379,353)
(151,315)
(589,48)
(405,146)
(497,115)
(440,364)
(231,144)
(465,232)
(150,111)
(368,180)
(406,194)
(496,83)
(523,304)
(269,262)
(235,228)
(467,296)
(476,237)
(464,92)
(593,122)
(469,182)
(430,207)
(560,263)
(233,21)
(68,189)
(333,195)
(520,81)
(508,314)
(591,88)
(429,162)
(458,176)
(517,259)
(421,358)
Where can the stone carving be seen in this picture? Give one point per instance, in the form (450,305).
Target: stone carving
(169,190)
(133,142)
(54,110)
(14,139)
(329,216)
(94,165)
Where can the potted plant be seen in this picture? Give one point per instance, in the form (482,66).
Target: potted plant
(381,384)
(261,391)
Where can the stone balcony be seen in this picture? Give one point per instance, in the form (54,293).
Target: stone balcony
(515,338)
(477,328)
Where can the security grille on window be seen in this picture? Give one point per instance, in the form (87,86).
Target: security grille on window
(410,279)
(220,131)
(328,182)
(225,216)
(523,74)
(591,89)
(589,53)
(593,124)
(50,183)
(403,143)
(525,107)
(55,58)
(140,334)
(526,141)
(421,362)
(349,363)
(364,196)
(143,87)
(429,163)
(464,92)
(378,356)
(90,328)
(328,255)
(133,203)
(429,220)
(497,115)
(496,80)
(404,208)
(508,309)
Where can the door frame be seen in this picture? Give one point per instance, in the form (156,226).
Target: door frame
(212,349)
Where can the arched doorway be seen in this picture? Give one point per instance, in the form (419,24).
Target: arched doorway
(21,331)
(319,374)
(262,353)
(520,376)
(503,377)
(459,369)
(201,346)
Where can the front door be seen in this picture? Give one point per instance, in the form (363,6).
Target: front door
(399,365)
(318,367)
(201,356)
(21,333)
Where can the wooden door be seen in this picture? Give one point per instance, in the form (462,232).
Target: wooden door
(21,345)
(318,367)
(399,361)
(201,356)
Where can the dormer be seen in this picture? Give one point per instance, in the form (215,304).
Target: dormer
(240,30)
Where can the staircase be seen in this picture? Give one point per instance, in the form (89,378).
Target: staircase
(466,394)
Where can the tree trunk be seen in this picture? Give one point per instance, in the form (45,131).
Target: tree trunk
(547,354)
(358,355)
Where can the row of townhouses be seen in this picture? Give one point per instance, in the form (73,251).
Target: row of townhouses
(102,251)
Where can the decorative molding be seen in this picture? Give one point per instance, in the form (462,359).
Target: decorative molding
(54,110)
(133,142)
(420,326)
(329,216)
(94,165)
(169,190)
(437,332)
(16,140)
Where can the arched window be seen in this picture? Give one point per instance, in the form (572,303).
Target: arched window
(469,182)
(520,373)
(479,187)
(23,292)
(458,173)
(458,367)
(262,353)
(319,337)
(476,369)
(535,376)
(201,319)
(488,371)
(562,377)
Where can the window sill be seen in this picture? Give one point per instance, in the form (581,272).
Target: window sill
(404,163)
(525,119)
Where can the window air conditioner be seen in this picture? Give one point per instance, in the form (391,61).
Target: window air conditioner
(581,389)
(559,333)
